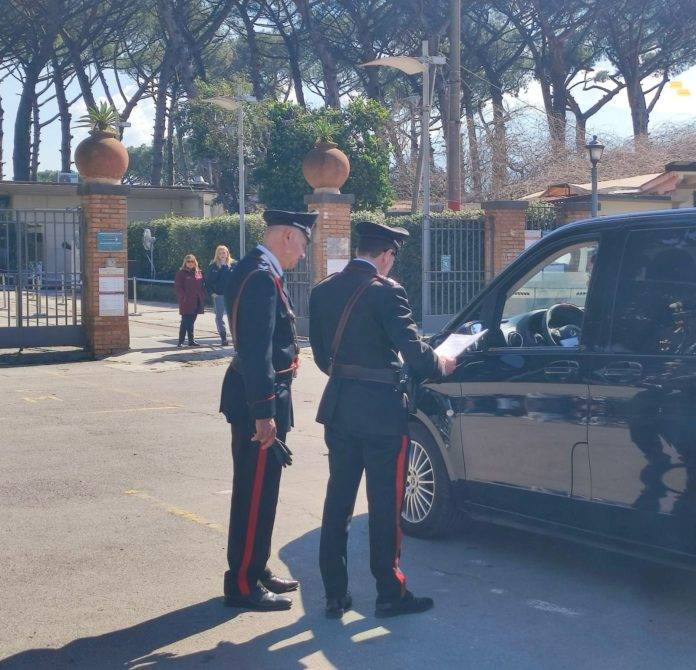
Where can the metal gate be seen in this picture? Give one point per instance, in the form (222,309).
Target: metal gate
(40,278)
(457,268)
(298,283)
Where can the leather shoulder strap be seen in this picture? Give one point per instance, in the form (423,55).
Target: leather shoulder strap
(343,321)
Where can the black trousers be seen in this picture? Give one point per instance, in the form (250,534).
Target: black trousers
(255,485)
(186,327)
(383,458)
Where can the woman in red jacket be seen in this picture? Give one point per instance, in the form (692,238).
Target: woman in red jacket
(188,284)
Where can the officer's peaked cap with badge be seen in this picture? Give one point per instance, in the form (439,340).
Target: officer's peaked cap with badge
(302,220)
(378,231)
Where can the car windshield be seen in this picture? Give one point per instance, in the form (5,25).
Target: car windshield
(562,278)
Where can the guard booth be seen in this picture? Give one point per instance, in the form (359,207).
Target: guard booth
(41,278)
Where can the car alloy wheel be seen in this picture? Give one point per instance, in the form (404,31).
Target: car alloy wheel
(420,485)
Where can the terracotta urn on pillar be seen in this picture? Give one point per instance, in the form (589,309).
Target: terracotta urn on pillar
(326,168)
(101,158)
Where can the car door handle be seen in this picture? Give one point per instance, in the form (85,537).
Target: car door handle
(562,369)
(622,371)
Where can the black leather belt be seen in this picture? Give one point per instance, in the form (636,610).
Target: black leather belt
(379,375)
(282,377)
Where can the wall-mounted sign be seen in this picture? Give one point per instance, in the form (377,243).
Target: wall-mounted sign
(338,247)
(110,241)
(112,285)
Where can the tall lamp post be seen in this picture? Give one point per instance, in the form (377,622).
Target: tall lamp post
(411,66)
(594,151)
(232,104)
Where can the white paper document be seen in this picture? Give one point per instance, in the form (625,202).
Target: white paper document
(112,304)
(111,284)
(457,343)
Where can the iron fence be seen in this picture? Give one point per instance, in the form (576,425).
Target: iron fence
(458,268)
(40,278)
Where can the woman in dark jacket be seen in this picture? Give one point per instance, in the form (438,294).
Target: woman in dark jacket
(188,284)
(215,278)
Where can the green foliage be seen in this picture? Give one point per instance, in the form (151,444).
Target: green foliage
(47,176)
(358,129)
(540,216)
(178,236)
(139,165)
(211,138)
(103,118)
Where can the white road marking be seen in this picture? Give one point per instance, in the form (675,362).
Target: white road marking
(545,606)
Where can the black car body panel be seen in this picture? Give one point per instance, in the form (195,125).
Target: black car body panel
(594,435)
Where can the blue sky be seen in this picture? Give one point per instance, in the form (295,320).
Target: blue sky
(614,120)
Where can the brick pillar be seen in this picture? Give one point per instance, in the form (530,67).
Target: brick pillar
(504,233)
(331,233)
(578,210)
(105,303)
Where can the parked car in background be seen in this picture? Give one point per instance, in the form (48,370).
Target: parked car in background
(576,412)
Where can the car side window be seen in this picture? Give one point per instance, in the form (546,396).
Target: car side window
(546,306)
(655,303)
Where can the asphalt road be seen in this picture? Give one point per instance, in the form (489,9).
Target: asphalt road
(114,494)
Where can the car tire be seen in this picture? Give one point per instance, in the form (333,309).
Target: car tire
(428,509)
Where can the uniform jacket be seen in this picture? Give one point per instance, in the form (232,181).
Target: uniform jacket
(380,326)
(215,278)
(265,342)
(188,285)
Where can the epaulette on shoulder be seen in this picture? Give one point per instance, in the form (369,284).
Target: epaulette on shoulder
(387,281)
(333,274)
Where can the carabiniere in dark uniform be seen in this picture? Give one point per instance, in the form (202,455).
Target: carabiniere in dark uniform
(257,385)
(359,322)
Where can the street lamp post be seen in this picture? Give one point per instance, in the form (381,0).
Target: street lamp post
(411,65)
(231,104)
(594,151)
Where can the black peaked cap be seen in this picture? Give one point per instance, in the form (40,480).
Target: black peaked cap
(302,220)
(378,231)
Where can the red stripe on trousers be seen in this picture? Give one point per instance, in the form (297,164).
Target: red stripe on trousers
(242,580)
(400,465)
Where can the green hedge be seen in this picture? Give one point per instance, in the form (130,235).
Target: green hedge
(176,237)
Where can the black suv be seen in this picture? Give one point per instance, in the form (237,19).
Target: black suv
(576,412)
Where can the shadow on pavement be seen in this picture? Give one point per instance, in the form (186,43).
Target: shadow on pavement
(469,627)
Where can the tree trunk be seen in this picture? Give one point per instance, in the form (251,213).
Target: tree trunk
(255,73)
(580,132)
(22,128)
(36,139)
(499,139)
(178,48)
(182,163)
(474,153)
(295,72)
(639,109)
(169,146)
(160,119)
(557,127)
(65,117)
(2,137)
(82,76)
(332,96)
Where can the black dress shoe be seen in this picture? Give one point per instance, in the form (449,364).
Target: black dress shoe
(336,607)
(409,604)
(261,600)
(280,585)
